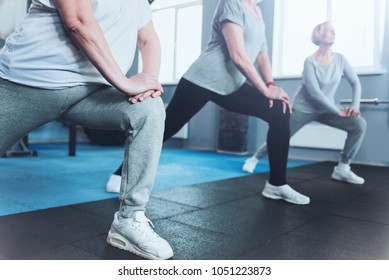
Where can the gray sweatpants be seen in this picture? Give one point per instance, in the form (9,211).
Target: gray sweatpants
(355,128)
(25,108)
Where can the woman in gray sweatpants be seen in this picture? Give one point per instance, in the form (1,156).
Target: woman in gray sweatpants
(314,101)
(73,68)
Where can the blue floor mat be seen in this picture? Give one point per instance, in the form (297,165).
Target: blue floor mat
(54,179)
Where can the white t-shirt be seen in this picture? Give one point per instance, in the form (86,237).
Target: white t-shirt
(40,54)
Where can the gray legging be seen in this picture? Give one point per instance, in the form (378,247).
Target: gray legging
(25,108)
(355,128)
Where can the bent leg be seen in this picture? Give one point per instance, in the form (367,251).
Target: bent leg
(25,108)
(143,124)
(248,100)
(187,101)
(297,121)
(356,130)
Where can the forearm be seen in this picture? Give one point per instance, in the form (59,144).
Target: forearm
(355,84)
(318,97)
(264,67)
(91,41)
(249,71)
(151,55)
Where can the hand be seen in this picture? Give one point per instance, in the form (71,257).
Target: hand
(276,93)
(142,96)
(144,85)
(349,112)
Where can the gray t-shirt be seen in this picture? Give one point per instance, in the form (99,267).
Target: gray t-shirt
(214,69)
(320,83)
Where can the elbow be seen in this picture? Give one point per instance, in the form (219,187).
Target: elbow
(237,59)
(73,25)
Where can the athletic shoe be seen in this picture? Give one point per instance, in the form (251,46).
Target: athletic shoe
(113,184)
(284,192)
(346,175)
(135,234)
(249,164)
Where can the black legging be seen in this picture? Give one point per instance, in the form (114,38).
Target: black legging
(190,98)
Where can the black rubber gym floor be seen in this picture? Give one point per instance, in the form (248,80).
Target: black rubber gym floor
(227,219)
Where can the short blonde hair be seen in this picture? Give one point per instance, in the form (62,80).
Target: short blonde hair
(316,33)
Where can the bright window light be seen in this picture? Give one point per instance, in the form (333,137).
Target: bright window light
(188,48)
(359,26)
(178,24)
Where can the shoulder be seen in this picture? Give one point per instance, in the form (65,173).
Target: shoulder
(230,5)
(310,60)
(230,10)
(338,57)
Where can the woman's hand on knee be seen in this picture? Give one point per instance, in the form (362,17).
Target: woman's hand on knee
(142,96)
(276,93)
(349,112)
(143,83)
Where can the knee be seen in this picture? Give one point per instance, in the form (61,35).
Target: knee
(361,125)
(148,114)
(278,117)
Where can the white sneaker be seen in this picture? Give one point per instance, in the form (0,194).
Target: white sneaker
(346,175)
(249,164)
(284,192)
(113,184)
(136,235)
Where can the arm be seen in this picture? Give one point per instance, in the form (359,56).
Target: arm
(353,79)
(233,34)
(85,31)
(264,66)
(150,50)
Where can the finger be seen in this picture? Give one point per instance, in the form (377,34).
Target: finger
(136,98)
(158,86)
(347,111)
(270,103)
(156,94)
(283,107)
(145,95)
(356,113)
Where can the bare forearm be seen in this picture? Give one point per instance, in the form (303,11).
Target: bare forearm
(264,66)
(89,37)
(249,71)
(151,56)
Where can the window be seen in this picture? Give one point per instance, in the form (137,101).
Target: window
(359,26)
(178,24)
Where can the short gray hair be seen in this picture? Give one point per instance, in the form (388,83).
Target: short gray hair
(316,33)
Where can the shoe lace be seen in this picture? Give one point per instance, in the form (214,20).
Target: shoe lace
(145,226)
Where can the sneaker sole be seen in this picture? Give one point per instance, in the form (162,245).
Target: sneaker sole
(112,189)
(116,240)
(333,177)
(245,169)
(285,199)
